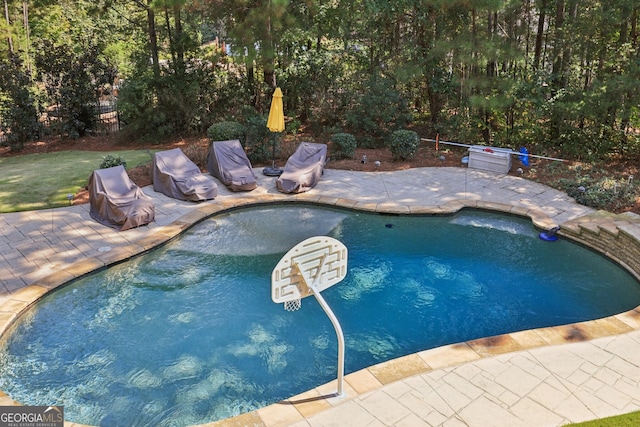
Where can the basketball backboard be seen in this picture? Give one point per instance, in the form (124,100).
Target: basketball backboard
(319,262)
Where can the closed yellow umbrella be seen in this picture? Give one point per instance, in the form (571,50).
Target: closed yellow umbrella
(275,123)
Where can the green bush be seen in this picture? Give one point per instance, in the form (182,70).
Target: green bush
(139,112)
(221,92)
(293,126)
(315,81)
(177,97)
(344,145)
(110,161)
(224,131)
(608,194)
(403,144)
(259,138)
(72,78)
(380,110)
(18,116)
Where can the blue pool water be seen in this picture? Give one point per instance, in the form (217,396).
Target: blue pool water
(188,333)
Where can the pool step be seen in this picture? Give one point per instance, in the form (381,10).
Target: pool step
(615,235)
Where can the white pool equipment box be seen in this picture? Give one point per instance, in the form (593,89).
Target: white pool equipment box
(490,158)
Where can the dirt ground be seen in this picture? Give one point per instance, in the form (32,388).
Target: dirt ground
(376,159)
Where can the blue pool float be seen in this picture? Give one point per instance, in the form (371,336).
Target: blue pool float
(551,235)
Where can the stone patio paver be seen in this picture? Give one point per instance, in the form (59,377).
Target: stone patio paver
(528,378)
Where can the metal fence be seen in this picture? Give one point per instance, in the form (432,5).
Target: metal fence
(106,120)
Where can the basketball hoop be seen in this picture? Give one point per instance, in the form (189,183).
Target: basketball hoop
(312,266)
(293,305)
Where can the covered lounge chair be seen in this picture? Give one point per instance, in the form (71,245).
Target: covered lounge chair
(303,169)
(176,176)
(115,201)
(229,163)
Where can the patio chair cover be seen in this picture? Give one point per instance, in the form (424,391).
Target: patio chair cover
(229,163)
(303,169)
(176,176)
(115,201)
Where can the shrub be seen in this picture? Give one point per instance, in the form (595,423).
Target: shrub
(221,93)
(137,107)
(403,144)
(177,95)
(314,81)
(18,116)
(110,161)
(601,193)
(156,107)
(380,110)
(259,139)
(198,154)
(293,126)
(344,145)
(224,131)
(72,77)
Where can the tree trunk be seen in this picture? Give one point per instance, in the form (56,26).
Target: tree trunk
(632,94)
(153,40)
(27,32)
(567,54)
(474,44)
(556,120)
(492,20)
(528,33)
(539,35)
(179,40)
(634,29)
(251,82)
(172,43)
(558,46)
(269,77)
(268,73)
(9,39)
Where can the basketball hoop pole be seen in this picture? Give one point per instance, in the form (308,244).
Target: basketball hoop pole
(313,265)
(334,322)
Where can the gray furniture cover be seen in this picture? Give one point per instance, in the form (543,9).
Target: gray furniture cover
(175,175)
(229,163)
(115,201)
(303,169)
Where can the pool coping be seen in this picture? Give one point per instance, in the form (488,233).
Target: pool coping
(321,398)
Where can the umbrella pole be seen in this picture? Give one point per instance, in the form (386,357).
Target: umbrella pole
(273,156)
(273,170)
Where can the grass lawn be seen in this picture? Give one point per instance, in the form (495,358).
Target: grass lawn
(628,420)
(41,181)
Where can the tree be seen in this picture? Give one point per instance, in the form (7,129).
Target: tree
(560,73)
(73,81)
(18,117)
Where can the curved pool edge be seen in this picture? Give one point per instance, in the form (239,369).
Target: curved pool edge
(19,301)
(597,230)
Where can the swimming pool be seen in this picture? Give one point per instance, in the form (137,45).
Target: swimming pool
(161,337)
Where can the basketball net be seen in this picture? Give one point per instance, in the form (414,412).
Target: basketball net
(293,305)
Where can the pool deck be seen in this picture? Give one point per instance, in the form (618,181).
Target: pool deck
(542,377)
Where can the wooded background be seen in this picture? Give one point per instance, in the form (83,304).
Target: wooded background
(556,75)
